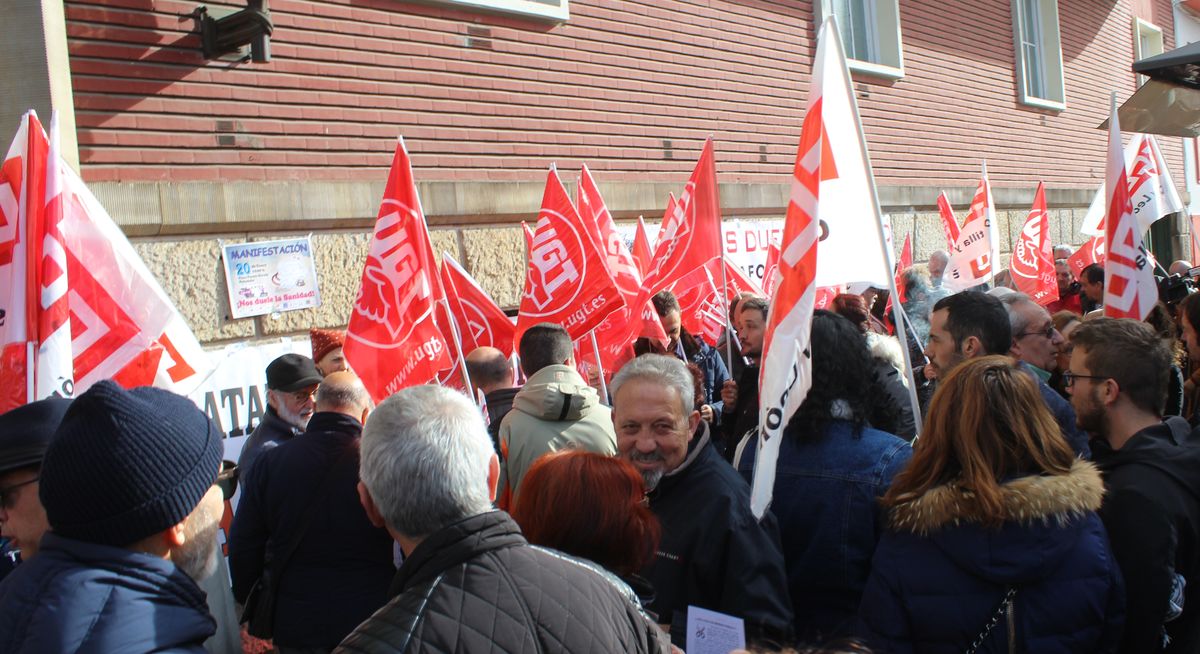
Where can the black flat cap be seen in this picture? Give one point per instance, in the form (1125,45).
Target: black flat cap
(292,372)
(25,432)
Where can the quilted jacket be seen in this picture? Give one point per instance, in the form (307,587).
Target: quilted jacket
(478,586)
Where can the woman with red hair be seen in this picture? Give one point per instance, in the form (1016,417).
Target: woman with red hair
(591,506)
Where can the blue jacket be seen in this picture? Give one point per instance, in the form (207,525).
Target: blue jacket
(339,573)
(826,501)
(939,575)
(709,361)
(271,431)
(80,597)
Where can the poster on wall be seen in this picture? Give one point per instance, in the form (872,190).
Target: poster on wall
(270,276)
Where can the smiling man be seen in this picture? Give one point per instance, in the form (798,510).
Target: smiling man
(291,383)
(714,554)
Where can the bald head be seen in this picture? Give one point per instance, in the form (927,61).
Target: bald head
(938,260)
(343,392)
(489,369)
(1180,267)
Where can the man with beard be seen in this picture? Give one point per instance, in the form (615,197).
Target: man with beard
(1118,385)
(128,489)
(713,554)
(291,382)
(739,400)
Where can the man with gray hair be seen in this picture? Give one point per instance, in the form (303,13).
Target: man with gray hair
(714,554)
(470,582)
(300,528)
(1035,344)
(938,260)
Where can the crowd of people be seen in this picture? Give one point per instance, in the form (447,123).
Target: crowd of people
(1050,501)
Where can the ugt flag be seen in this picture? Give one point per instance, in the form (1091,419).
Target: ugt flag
(1032,262)
(393,340)
(786,373)
(690,235)
(566,280)
(949,222)
(1152,193)
(1129,288)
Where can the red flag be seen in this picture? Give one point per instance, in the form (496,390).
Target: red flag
(621,327)
(1129,287)
(689,237)
(771,268)
(481,322)
(642,252)
(949,222)
(566,281)
(1087,254)
(1033,254)
(393,340)
(736,282)
(905,262)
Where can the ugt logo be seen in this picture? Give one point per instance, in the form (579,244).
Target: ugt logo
(393,281)
(1027,251)
(553,267)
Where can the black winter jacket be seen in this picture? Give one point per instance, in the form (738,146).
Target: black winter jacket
(339,572)
(1152,513)
(713,553)
(479,586)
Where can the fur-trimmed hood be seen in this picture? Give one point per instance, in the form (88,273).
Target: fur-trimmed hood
(1044,519)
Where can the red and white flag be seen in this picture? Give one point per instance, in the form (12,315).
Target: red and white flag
(642,252)
(702,311)
(786,373)
(690,235)
(1152,192)
(976,253)
(905,262)
(949,222)
(481,322)
(771,269)
(567,280)
(79,299)
(393,340)
(1129,288)
(1090,252)
(1032,262)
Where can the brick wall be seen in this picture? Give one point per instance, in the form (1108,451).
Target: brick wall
(630,87)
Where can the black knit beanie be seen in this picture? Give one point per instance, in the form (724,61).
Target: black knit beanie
(127,464)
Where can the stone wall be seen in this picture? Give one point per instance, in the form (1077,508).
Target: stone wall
(190,269)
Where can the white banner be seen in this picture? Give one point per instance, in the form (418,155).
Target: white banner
(744,242)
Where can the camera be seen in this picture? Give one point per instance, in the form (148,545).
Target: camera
(1172,289)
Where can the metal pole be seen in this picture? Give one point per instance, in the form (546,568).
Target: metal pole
(600,366)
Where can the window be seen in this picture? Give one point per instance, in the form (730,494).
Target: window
(1039,53)
(870,31)
(1147,42)
(555,10)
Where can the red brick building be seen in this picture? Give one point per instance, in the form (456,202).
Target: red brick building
(487,94)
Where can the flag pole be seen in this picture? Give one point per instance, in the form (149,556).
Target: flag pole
(600,366)
(901,329)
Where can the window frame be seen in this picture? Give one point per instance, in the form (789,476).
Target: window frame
(1049,42)
(553,10)
(1140,27)
(886,33)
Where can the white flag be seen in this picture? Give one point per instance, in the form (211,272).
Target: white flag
(1129,288)
(1152,192)
(976,254)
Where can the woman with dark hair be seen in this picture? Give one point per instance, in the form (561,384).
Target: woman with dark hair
(993,542)
(591,506)
(832,469)
(889,365)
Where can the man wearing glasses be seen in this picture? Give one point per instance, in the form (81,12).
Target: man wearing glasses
(25,434)
(1035,344)
(1117,380)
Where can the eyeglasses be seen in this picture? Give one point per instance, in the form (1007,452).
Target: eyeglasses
(8,496)
(1048,332)
(1069,378)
